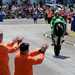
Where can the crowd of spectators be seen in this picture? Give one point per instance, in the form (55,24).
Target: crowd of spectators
(33,11)
(22,11)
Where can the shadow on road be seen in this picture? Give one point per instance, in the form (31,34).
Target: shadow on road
(61,57)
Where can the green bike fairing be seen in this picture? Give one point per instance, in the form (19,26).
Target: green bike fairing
(56,20)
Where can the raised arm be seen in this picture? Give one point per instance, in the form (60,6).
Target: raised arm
(39,50)
(35,52)
(14,44)
(37,59)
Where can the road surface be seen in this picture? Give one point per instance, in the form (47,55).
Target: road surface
(33,33)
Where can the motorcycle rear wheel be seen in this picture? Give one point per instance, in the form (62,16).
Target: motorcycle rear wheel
(57,49)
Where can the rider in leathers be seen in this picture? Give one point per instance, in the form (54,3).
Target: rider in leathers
(57,19)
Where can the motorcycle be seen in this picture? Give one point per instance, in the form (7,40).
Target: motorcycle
(57,36)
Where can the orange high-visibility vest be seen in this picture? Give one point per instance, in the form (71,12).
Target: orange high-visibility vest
(4,59)
(50,14)
(24,63)
(4,68)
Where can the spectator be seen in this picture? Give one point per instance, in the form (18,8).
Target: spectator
(25,60)
(2,14)
(49,15)
(4,50)
(1,37)
(35,15)
(73,23)
(63,13)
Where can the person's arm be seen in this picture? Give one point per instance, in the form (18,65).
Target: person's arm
(38,59)
(39,50)
(15,40)
(43,48)
(35,52)
(12,48)
(13,45)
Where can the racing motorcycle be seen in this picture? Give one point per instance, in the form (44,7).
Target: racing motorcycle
(58,34)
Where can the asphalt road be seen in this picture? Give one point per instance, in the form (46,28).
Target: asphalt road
(33,33)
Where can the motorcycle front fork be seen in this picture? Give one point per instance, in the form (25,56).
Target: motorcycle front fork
(54,39)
